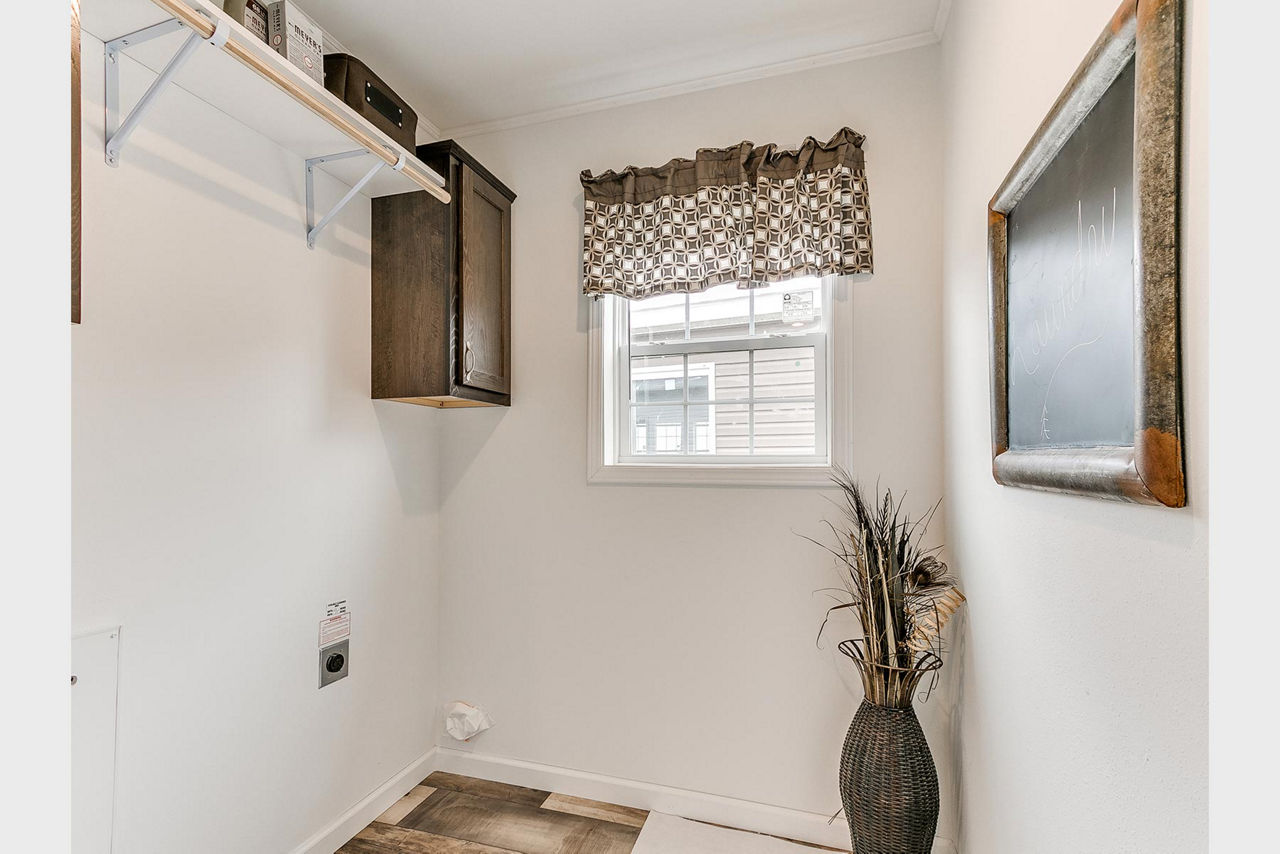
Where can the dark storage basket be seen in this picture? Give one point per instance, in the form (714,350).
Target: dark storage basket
(353,82)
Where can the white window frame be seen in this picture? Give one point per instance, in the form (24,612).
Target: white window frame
(607,407)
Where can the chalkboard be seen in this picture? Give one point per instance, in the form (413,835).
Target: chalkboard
(1071,309)
(1083,256)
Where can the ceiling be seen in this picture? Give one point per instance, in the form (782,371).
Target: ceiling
(470,66)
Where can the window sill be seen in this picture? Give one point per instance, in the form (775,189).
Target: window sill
(711,475)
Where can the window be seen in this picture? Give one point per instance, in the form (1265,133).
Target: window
(726,385)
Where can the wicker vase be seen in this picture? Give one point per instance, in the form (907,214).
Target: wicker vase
(888,783)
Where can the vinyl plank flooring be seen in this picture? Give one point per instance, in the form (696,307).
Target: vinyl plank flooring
(601,838)
(517,827)
(454,814)
(381,838)
(405,805)
(486,788)
(629,816)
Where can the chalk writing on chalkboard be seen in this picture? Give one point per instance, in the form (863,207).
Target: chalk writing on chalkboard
(1070,293)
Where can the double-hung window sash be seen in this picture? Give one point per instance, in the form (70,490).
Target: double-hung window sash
(754,395)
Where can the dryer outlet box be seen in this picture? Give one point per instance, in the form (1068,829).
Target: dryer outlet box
(335,660)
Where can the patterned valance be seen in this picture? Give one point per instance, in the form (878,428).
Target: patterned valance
(747,214)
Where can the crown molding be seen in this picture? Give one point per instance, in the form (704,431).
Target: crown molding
(715,81)
(428,128)
(940,21)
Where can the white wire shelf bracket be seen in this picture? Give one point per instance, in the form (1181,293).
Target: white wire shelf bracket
(213,28)
(314,228)
(118,134)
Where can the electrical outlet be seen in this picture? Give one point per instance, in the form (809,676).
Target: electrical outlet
(335,661)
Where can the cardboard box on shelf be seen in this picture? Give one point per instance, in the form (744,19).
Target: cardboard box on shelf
(296,37)
(252,14)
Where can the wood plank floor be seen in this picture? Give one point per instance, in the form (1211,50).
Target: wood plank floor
(452,814)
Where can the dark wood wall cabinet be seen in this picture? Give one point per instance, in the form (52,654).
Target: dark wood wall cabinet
(442,288)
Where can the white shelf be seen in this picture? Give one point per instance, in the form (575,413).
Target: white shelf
(229,85)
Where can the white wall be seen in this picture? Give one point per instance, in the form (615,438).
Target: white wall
(231,476)
(1084,709)
(667,634)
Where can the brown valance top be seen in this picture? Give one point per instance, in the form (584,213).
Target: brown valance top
(745,214)
(743,163)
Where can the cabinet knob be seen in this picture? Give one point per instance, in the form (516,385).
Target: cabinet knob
(468,358)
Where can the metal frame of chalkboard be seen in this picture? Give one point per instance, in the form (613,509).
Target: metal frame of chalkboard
(1151,471)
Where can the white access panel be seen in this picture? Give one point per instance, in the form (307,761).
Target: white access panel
(93,740)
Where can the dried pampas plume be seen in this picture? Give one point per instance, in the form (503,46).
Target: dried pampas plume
(900,592)
(930,612)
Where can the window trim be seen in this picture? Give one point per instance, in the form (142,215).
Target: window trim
(603,466)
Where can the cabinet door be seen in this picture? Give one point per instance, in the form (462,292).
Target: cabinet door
(485,288)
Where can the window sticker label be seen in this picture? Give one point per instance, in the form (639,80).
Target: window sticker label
(797,306)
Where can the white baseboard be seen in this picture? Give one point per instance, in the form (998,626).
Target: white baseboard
(747,815)
(351,822)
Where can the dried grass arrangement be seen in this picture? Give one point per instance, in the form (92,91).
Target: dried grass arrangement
(900,592)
